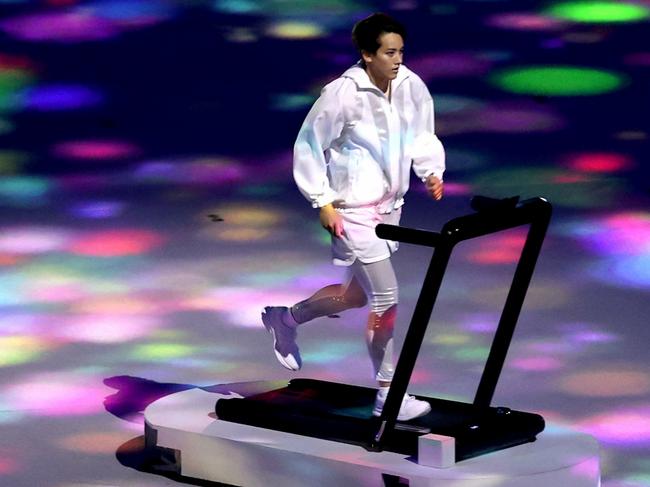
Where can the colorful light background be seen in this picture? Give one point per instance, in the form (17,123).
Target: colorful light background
(149,213)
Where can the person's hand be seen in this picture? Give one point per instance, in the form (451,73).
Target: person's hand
(331,221)
(434,187)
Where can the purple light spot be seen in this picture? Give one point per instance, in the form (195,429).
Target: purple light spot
(638,59)
(481,326)
(66,27)
(208,171)
(83,182)
(553,44)
(449,65)
(451,189)
(630,271)
(98,209)
(60,97)
(618,234)
(155,170)
(506,118)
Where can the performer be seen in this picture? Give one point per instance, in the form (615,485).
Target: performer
(351,161)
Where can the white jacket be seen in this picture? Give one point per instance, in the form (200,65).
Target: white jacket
(355,148)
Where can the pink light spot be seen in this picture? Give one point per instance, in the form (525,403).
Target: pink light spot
(7,465)
(500,249)
(599,162)
(524,21)
(10,260)
(59,293)
(570,178)
(106,328)
(628,427)
(588,469)
(537,364)
(32,240)
(421,377)
(96,150)
(56,396)
(625,233)
(116,243)
(94,442)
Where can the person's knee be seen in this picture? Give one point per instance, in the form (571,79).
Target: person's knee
(381,302)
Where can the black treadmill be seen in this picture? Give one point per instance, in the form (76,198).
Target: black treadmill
(343,412)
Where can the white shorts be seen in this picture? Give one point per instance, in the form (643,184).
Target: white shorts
(360,241)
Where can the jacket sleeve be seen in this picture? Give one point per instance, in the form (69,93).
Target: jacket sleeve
(428,153)
(322,126)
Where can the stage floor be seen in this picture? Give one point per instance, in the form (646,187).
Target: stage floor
(148,214)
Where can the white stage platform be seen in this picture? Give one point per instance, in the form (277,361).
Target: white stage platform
(246,456)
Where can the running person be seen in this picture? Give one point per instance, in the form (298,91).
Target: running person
(352,160)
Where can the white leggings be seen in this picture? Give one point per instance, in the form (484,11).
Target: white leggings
(374,283)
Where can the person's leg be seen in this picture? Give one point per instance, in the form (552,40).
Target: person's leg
(281,321)
(380,285)
(379,281)
(329,300)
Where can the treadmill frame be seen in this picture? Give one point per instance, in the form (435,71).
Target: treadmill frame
(491,216)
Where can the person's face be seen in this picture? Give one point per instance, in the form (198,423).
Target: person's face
(385,63)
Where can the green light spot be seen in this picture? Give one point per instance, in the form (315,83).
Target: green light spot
(162,351)
(599,12)
(5,126)
(17,357)
(639,479)
(261,190)
(332,352)
(24,189)
(291,101)
(557,81)
(472,354)
(11,81)
(450,339)
(12,161)
(237,6)
(557,186)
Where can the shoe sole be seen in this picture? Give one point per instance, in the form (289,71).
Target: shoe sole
(283,360)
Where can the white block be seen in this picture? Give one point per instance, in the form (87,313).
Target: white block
(436,451)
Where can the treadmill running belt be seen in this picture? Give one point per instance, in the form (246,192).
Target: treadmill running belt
(342,412)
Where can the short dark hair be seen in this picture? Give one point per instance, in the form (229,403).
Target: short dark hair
(366,32)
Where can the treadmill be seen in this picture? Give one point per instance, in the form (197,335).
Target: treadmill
(343,412)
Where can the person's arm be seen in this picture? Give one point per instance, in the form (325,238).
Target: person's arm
(428,154)
(323,124)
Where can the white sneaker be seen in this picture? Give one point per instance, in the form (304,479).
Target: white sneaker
(411,407)
(284,337)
